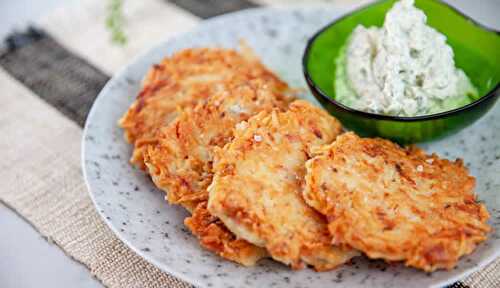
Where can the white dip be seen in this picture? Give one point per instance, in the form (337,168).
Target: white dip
(404,68)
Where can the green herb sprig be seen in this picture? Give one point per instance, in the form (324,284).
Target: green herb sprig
(115,22)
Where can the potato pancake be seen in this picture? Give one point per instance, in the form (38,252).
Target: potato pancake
(396,204)
(179,81)
(258,181)
(179,158)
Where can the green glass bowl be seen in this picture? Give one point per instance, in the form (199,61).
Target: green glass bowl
(477,52)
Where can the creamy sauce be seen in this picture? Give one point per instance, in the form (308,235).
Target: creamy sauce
(404,68)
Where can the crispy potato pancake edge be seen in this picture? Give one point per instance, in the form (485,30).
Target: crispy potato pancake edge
(396,204)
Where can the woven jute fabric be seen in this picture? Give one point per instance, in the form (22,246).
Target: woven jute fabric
(64,80)
(488,277)
(42,180)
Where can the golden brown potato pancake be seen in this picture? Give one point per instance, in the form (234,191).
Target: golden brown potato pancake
(396,204)
(181,80)
(258,180)
(179,157)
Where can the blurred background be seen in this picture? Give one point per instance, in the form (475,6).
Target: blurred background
(132,26)
(19,13)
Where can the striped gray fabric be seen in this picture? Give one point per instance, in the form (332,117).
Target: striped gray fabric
(211,8)
(44,60)
(64,80)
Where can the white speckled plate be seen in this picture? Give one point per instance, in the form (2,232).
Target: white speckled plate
(135,209)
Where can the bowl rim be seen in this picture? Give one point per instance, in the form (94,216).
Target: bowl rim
(318,90)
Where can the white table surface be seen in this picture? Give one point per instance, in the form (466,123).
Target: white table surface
(26,258)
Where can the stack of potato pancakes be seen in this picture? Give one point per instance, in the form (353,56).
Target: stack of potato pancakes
(265,175)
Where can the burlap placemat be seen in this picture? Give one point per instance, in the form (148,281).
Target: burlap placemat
(42,180)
